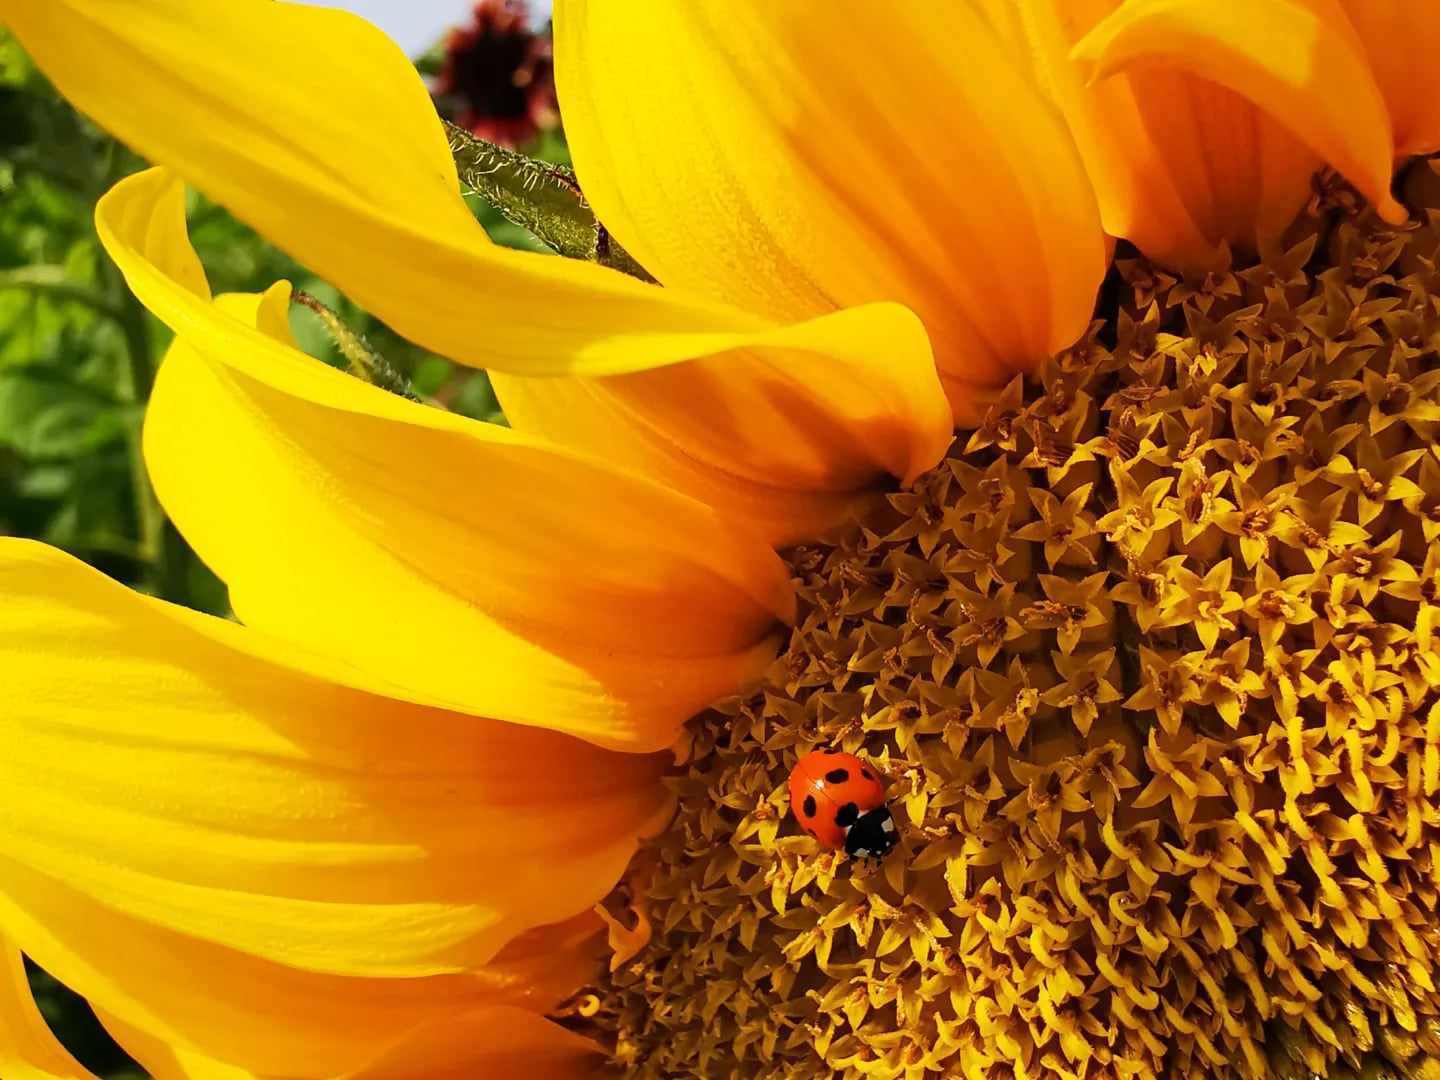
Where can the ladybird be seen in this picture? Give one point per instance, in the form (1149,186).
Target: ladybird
(840,801)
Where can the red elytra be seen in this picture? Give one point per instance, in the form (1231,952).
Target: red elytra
(822,784)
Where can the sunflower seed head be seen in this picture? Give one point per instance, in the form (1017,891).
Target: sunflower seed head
(1151,666)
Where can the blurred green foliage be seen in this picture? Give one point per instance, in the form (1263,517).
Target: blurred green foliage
(78,355)
(74,349)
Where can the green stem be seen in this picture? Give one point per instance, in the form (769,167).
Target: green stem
(364,361)
(545,199)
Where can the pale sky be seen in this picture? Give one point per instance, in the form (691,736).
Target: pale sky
(417,24)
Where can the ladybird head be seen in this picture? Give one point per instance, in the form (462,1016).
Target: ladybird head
(871,834)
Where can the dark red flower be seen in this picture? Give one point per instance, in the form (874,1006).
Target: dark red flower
(498,75)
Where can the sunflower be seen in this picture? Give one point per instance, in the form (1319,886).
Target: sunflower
(1147,656)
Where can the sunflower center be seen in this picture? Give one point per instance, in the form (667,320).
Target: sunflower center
(1149,667)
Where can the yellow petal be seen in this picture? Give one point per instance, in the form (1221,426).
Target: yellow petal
(518,986)
(1225,100)
(312,126)
(1402,40)
(185,771)
(786,158)
(783,442)
(28,1048)
(495,1042)
(585,415)
(1133,174)
(189,1008)
(475,566)
(543,966)
(168,1061)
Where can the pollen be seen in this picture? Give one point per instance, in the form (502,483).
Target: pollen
(1149,668)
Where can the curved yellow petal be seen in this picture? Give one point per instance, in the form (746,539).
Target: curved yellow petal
(188,1008)
(582,414)
(1134,175)
(547,964)
(28,1048)
(481,568)
(785,443)
(202,777)
(530,976)
(787,157)
(310,125)
(168,1061)
(498,1041)
(1225,102)
(493,1042)
(1402,40)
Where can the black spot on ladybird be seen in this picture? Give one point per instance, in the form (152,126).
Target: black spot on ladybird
(837,776)
(867,774)
(809,805)
(846,815)
(830,750)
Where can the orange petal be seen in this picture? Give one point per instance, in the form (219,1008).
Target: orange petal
(784,157)
(169,1061)
(627,942)
(1137,176)
(784,442)
(492,1042)
(1402,39)
(1193,67)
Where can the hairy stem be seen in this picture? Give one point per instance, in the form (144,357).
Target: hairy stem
(543,198)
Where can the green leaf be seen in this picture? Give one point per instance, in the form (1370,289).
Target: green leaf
(45,415)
